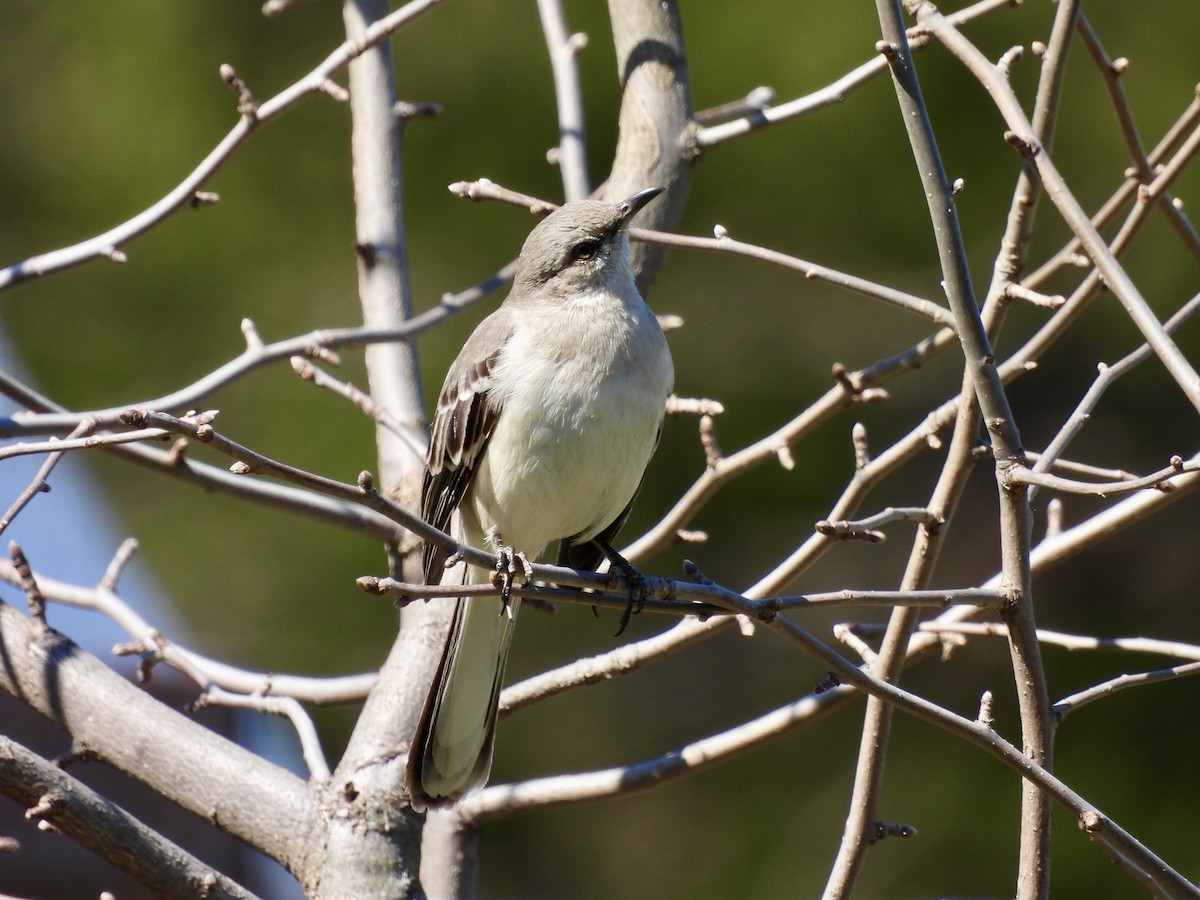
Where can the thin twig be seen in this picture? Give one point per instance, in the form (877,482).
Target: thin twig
(1168,145)
(180,197)
(1161,479)
(622,660)
(501,800)
(55,447)
(1111,70)
(867,529)
(564,47)
(836,92)
(412,435)
(38,484)
(1073,642)
(150,643)
(288,707)
(1107,688)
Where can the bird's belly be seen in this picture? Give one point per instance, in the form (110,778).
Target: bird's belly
(569,466)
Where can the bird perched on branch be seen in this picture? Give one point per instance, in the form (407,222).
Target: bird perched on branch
(544,427)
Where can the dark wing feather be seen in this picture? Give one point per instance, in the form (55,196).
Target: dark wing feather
(467,412)
(587,555)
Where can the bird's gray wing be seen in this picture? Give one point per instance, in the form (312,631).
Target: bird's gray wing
(587,555)
(467,412)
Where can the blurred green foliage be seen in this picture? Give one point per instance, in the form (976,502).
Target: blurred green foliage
(108,105)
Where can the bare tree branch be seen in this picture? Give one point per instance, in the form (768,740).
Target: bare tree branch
(258,802)
(496,801)
(39,483)
(564,47)
(1025,140)
(713,135)
(105,245)
(153,647)
(1112,70)
(104,828)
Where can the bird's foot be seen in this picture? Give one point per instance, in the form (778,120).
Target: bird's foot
(510,564)
(620,567)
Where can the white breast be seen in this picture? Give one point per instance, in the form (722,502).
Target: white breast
(577,425)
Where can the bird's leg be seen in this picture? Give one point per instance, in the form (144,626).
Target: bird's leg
(509,564)
(633,578)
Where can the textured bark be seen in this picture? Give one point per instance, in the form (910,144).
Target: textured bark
(372,848)
(117,723)
(104,828)
(655,145)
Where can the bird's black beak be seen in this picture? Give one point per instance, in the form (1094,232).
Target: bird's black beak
(630,206)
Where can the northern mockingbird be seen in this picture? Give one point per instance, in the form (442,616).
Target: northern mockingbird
(544,427)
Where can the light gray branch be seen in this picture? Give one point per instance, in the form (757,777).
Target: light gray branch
(497,801)
(911,303)
(835,92)
(256,355)
(256,801)
(620,661)
(1076,642)
(104,246)
(1025,139)
(1160,480)
(564,47)
(656,127)
(1110,687)
(101,826)
(150,643)
(1112,70)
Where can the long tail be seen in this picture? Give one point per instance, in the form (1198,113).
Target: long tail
(452,750)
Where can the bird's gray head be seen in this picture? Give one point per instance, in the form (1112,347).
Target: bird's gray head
(579,245)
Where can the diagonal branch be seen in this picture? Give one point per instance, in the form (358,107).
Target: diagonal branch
(104,246)
(986,384)
(836,92)
(107,830)
(1022,136)
(1112,70)
(258,802)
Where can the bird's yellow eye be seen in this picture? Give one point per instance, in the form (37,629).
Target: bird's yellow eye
(584,250)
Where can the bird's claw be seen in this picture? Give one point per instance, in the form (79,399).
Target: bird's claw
(510,564)
(636,582)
